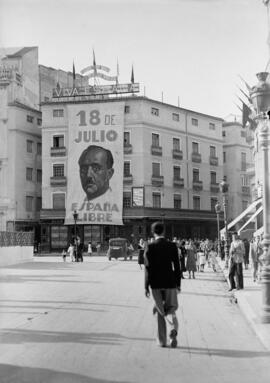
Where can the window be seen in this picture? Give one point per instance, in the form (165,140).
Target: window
(156,169)
(175,117)
(196,175)
(225,178)
(213,177)
(29,174)
(29,146)
(243,161)
(29,203)
(194,122)
(126,138)
(127,109)
(243,133)
(58,170)
(29,118)
(176,144)
(39,148)
(223,133)
(58,141)
(224,157)
(195,147)
(196,203)
(214,201)
(39,175)
(155,111)
(155,140)
(39,121)
(126,169)
(213,151)
(244,180)
(177,201)
(127,199)
(212,126)
(58,112)
(156,200)
(176,172)
(38,203)
(244,205)
(58,201)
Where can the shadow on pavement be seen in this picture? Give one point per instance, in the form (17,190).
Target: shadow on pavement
(206,294)
(225,353)
(40,278)
(13,374)
(20,336)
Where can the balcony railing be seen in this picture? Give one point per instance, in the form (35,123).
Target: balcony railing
(156,150)
(128,178)
(213,160)
(127,149)
(177,154)
(179,182)
(214,187)
(157,180)
(197,185)
(58,152)
(196,157)
(246,190)
(58,181)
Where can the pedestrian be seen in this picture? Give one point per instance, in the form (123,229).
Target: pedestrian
(237,251)
(162,275)
(89,249)
(71,252)
(246,255)
(64,254)
(98,248)
(79,251)
(183,256)
(255,252)
(141,247)
(191,259)
(202,260)
(213,258)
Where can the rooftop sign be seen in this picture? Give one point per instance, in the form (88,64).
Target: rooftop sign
(96,90)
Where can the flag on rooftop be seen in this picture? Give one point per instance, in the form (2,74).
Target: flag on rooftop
(132,75)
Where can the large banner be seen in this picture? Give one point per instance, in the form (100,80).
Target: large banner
(95,163)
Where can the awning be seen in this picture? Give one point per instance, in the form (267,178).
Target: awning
(258,232)
(242,215)
(250,219)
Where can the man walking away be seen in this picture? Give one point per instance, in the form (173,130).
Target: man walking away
(237,251)
(162,274)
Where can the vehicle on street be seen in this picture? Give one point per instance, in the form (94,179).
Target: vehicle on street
(118,248)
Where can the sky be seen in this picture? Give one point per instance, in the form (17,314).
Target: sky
(193,50)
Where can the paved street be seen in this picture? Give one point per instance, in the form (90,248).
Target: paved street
(90,322)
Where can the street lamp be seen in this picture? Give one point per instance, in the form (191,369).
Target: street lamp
(260,97)
(218,211)
(224,187)
(75,217)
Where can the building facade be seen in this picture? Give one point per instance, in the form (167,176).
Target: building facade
(20,140)
(172,166)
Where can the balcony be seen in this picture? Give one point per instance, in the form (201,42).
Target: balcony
(128,178)
(177,154)
(214,187)
(58,181)
(197,185)
(213,161)
(58,152)
(157,180)
(250,171)
(178,183)
(246,190)
(196,157)
(127,149)
(156,150)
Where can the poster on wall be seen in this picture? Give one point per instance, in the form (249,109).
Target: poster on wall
(95,163)
(138,196)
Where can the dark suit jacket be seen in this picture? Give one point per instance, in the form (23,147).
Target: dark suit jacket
(162,268)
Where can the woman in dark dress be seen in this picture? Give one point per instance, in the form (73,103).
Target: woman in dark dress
(182,256)
(141,247)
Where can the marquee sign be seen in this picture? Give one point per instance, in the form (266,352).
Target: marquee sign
(96,90)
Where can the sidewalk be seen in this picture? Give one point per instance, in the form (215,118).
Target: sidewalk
(250,303)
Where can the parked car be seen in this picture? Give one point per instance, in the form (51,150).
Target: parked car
(118,248)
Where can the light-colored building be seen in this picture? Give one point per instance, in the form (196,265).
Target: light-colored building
(172,157)
(20,139)
(238,160)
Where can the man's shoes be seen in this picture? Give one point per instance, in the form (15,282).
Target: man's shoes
(231,289)
(154,310)
(173,340)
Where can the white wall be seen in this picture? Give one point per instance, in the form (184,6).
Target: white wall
(12,255)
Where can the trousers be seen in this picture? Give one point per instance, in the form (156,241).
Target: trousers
(166,304)
(236,270)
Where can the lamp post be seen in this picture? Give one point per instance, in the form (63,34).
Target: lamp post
(218,211)
(224,187)
(260,97)
(75,217)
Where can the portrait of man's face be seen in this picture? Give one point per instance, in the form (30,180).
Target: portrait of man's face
(95,171)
